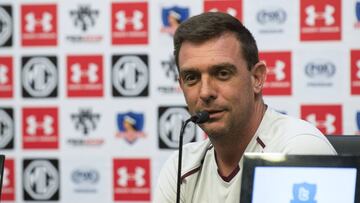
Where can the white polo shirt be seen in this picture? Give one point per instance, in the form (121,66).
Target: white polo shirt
(201,182)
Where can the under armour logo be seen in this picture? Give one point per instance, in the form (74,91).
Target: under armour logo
(328,123)
(125,177)
(46,124)
(44,22)
(358,69)
(6,179)
(327,15)
(90,73)
(230,11)
(3,74)
(135,20)
(278,70)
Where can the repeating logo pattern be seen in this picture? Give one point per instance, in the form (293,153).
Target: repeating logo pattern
(320,73)
(6,26)
(85,180)
(8,186)
(41,179)
(130,75)
(38,89)
(172,17)
(355,72)
(6,77)
(85,20)
(130,126)
(86,123)
(39,25)
(129,23)
(320,20)
(327,118)
(131,179)
(271,20)
(85,76)
(40,128)
(278,81)
(39,76)
(7,128)
(170,121)
(232,7)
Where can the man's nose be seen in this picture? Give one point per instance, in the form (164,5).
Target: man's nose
(207,90)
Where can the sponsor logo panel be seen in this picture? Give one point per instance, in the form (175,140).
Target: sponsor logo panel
(85,76)
(85,124)
(129,23)
(85,21)
(40,128)
(39,77)
(7,128)
(327,118)
(6,26)
(278,81)
(130,76)
(130,126)
(39,25)
(320,20)
(131,179)
(232,7)
(6,77)
(172,17)
(355,72)
(41,179)
(169,125)
(8,187)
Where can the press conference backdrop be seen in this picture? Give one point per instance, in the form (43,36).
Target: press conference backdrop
(89,103)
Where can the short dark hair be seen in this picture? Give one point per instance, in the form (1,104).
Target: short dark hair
(205,26)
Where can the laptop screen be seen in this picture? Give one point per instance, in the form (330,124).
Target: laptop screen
(300,179)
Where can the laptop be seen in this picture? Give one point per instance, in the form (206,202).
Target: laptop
(279,178)
(345,144)
(2,163)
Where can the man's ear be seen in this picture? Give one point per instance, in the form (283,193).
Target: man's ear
(258,73)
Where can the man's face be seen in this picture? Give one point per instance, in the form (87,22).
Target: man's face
(214,77)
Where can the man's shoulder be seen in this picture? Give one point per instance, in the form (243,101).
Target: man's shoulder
(193,154)
(290,125)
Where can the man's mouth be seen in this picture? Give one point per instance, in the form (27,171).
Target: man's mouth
(215,114)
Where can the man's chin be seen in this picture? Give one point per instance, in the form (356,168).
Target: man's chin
(212,129)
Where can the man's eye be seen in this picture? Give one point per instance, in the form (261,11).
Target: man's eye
(190,78)
(223,74)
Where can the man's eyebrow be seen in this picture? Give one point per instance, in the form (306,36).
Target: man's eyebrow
(229,66)
(184,70)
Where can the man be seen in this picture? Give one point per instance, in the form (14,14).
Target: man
(219,72)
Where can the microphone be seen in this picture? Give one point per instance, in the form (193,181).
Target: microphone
(198,118)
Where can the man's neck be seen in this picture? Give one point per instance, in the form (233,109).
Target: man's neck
(230,150)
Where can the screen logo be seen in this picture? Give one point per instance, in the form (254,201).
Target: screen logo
(304,193)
